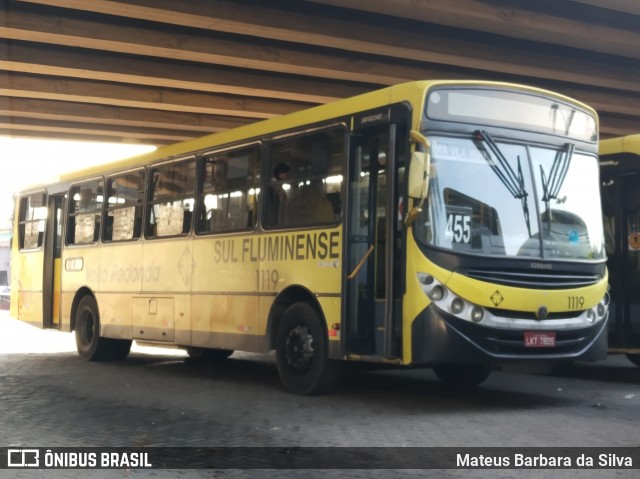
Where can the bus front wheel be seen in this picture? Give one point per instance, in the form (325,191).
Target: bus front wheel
(465,375)
(301,352)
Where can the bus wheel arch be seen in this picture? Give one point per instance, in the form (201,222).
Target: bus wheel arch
(298,333)
(283,301)
(85,321)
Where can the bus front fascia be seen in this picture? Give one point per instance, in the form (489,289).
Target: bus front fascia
(418,175)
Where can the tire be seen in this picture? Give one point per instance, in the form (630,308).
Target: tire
(462,375)
(120,348)
(208,354)
(301,352)
(634,358)
(89,344)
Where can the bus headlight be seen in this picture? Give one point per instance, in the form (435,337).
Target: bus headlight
(477,314)
(437,293)
(447,300)
(601,309)
(457,305)
(591,315)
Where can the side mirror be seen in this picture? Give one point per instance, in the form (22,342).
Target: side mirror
(418,175)
(419,167)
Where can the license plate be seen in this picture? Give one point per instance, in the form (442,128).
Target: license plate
(539,340)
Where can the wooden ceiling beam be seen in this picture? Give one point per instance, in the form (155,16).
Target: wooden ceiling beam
(104,93)
(88,64)
(410,56)
(514,20)
(294,26)
(614,125)
(299,27)
(40,134)
(14,126)
(60,111)
(631,7)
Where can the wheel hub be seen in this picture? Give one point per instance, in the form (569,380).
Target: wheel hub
(299,349)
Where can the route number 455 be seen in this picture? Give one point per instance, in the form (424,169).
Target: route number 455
(459,226)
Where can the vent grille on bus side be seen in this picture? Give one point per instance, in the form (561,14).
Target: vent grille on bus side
(527,279)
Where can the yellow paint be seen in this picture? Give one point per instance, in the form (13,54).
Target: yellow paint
(625,144)
(57,286)
(201,286)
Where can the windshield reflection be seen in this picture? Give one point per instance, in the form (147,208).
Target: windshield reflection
(505,199)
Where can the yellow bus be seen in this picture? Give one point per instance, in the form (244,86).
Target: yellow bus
(620,172)
(447,224)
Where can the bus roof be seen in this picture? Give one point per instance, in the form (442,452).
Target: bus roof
(623,144)
(411,91)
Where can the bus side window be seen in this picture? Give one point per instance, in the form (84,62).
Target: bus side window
(171,199)
(229,185)
(313,188)
(123,213)
(85,212)
(33,214)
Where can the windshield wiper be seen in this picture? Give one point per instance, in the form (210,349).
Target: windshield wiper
(513,182)
(551,185)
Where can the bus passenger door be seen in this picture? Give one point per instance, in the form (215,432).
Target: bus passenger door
(52,263)
(373,243)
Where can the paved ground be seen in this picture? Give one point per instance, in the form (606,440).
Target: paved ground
(51,398)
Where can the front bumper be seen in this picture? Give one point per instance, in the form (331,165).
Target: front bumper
(439,338)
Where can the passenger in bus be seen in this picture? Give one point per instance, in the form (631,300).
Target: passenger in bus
(309,204)
(218,210)
(276,197)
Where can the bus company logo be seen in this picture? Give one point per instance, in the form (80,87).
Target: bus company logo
(544,266)
(497,298)
(23,458)
(328,264)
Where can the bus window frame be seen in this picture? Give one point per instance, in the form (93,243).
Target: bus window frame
(142,204)
(149,202)
(200,209)
(335,125)
(22,222)
(68,214)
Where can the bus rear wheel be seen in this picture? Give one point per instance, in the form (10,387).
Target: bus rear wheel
(463,375)
(301,352)
(89,344)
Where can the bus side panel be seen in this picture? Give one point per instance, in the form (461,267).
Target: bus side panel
(167,266)
(225,303)
(415,301)
(80,268)
(331,307)
(313,260)
(120,280)
(28,287)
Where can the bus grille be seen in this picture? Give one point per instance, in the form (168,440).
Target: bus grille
(527,279)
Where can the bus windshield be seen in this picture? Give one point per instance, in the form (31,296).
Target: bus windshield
(500,198)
